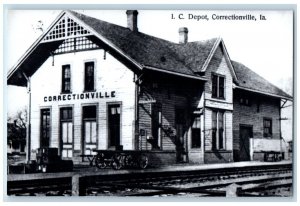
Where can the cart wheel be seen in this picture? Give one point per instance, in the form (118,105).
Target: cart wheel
(129,160)
(143,161)
(100,161)
(117,162)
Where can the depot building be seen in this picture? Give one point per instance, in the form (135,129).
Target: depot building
(94,85)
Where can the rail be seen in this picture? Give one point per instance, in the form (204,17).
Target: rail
(157,181)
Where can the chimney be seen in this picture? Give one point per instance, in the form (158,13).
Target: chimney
(132,19)
(183,35)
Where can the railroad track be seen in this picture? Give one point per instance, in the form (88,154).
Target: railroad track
(201,182)
(249,181)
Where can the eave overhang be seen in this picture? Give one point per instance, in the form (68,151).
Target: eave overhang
(264,93)
(175,73)
(41,50)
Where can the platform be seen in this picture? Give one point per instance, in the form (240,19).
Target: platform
(94,171)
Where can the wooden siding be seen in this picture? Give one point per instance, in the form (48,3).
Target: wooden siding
(110,75)
(227,134)
(218,65)
(170,95)
(250,115)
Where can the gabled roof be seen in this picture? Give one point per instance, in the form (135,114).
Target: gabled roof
(141,49)
(249,80)
(152,51)
(143,52)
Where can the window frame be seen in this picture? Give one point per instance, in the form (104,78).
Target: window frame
(270,134)
(216,87)
(194,116)
(156,124)
(215,134)
(64,80)
(243,101)
(41,123)
(86,63)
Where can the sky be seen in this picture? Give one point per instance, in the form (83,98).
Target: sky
(265,46)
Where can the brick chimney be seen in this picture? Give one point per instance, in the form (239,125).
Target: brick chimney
(132,19)
(183,35)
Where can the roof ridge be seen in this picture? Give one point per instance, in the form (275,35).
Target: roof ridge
(204,40)
(169,45)
(122,27)
(250,70)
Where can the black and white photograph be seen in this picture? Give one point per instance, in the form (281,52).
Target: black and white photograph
(149,103)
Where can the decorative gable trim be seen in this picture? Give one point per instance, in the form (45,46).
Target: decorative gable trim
(32,48)
(59,30)
(105,40)
(65,28)
(212,52)
(227,58)
(229,62)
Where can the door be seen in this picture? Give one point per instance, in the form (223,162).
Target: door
(114,112)
(180,121)
(45,128)
(244,143)
(66,134)
(89,130)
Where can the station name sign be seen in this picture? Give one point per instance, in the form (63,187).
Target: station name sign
(87,95)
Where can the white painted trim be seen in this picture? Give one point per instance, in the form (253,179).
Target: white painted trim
(265,93)
(227,58)
(33,46)
(175,73)
(229,61)
(205,65)
(81,23)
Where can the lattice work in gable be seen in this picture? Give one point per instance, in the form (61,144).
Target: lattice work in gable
(66,28)
(75,44)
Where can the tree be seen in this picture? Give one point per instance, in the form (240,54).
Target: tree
(16,128)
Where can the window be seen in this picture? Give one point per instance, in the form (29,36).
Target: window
(267,127)
(218,83)
(218,130)
(156,122)
(89,76)
(45,128)
(245,101)
(66,136)
(66,114)
(258,106)
(196,132)
(90,129)
(66,79)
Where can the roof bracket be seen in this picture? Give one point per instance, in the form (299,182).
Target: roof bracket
(27,78)
(52,55)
